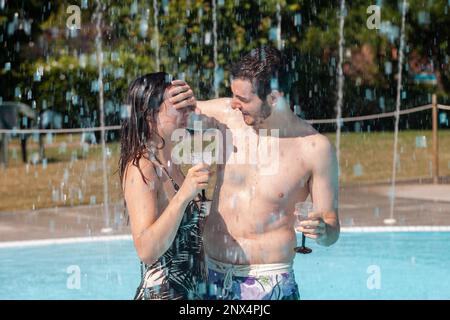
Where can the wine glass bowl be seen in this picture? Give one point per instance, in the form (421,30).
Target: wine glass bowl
(301,212)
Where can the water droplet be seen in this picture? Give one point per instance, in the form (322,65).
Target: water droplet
(273,34)
(388,67)
(74,156)
(357,170)
(381,103)
(297,19)
(376,212)
(143,28)
(55,195)
(421,141)
(34,158)
(423,17)
(94,86)
(443,118)
(119,73)
(233,201)
(66,176)
(14,154)
(369,95)
(49,138)
(159,171)
(18,93)
(62,148)
(51,226)
(349,222)
(208,38)
(274,84)
(37,77)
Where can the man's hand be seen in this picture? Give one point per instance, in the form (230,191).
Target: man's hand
(314,227)
(180,95)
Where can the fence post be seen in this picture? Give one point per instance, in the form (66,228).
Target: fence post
(435,140)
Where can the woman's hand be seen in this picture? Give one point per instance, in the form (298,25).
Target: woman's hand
(197,178)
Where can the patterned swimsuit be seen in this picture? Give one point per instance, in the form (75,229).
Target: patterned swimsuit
(180,273)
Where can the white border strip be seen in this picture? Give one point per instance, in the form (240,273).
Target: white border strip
(397,229)
(46,242)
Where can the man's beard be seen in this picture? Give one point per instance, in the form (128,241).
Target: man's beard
(265,113)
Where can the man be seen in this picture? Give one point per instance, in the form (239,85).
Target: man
(249,235)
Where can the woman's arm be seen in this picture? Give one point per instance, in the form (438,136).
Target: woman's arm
(154,235)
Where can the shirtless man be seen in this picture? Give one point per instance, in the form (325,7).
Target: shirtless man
(249,235)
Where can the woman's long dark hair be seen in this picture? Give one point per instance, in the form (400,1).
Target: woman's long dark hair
(144,97)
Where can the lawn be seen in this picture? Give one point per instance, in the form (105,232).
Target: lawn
(72,174)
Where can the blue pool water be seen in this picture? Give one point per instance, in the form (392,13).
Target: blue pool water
(360,266)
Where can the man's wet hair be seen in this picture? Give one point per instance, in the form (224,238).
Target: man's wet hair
(265,68)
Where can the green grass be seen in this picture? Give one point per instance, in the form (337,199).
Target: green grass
(71,177)
(374,153)
(73,180)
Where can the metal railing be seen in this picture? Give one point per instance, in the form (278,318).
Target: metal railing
(434,106)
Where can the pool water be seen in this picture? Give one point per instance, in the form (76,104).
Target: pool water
(359,266)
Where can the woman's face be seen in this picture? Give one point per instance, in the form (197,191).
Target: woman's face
(169,118)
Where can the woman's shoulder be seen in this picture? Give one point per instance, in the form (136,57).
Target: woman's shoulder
(142,168)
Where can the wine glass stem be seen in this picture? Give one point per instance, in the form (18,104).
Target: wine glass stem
(303,239)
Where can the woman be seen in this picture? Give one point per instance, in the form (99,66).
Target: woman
(166,222)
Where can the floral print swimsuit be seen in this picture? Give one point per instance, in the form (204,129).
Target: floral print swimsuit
(261,282)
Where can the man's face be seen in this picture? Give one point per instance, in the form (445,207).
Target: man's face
(254,110)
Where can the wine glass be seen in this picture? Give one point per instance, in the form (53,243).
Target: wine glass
(196,158)
(301,212)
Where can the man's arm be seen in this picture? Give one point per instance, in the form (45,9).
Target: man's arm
(182,96)
(215,109)
(324,189)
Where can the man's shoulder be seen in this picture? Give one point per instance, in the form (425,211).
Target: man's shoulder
(313,144)
(322,151)
(322,141)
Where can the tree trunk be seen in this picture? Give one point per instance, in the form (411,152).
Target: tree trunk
(41,147)
(4,149)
